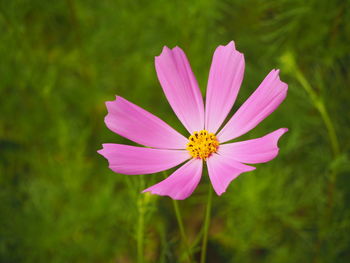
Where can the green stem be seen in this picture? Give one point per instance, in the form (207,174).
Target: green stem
(181,227)
(332,135)
(182,230)
(333,139)
(140,226)
(206,225)
(319,105)
(331,130)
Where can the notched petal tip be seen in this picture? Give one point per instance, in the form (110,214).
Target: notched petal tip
(283,130)
(109,103)
(180,184)
(223,170)
(103,153)
(104,150)
(280,132)
(258,150)
(273,73)
(276,136)
(231,43)
(277,76)
(165,50)
(219,193)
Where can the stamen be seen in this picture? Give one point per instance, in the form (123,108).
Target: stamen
(202,144)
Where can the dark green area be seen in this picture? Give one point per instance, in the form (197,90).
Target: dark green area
(61,60)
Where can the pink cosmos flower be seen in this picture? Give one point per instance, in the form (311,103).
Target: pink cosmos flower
(207,143)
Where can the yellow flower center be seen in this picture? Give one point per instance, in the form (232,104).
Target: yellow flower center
(202,144)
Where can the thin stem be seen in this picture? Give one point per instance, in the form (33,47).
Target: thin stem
(182,230)
(292,66)
(319,105)
(181,227)
(332,135)
(140,226)
(206,225)
(331,130)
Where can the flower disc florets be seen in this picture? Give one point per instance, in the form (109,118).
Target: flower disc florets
(202,144)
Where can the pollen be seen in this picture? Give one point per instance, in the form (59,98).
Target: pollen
(202,144)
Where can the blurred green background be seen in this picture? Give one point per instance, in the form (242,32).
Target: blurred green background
(61,60)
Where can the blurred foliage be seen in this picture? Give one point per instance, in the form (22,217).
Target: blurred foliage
(61,60)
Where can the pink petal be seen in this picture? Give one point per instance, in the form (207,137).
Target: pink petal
(138,125)
(128,159)
(258,150)
(265,99)
(181,183)
(223,170)
(181,87)
(225,78)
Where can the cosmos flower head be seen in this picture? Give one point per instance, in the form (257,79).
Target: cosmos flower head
(208,139)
